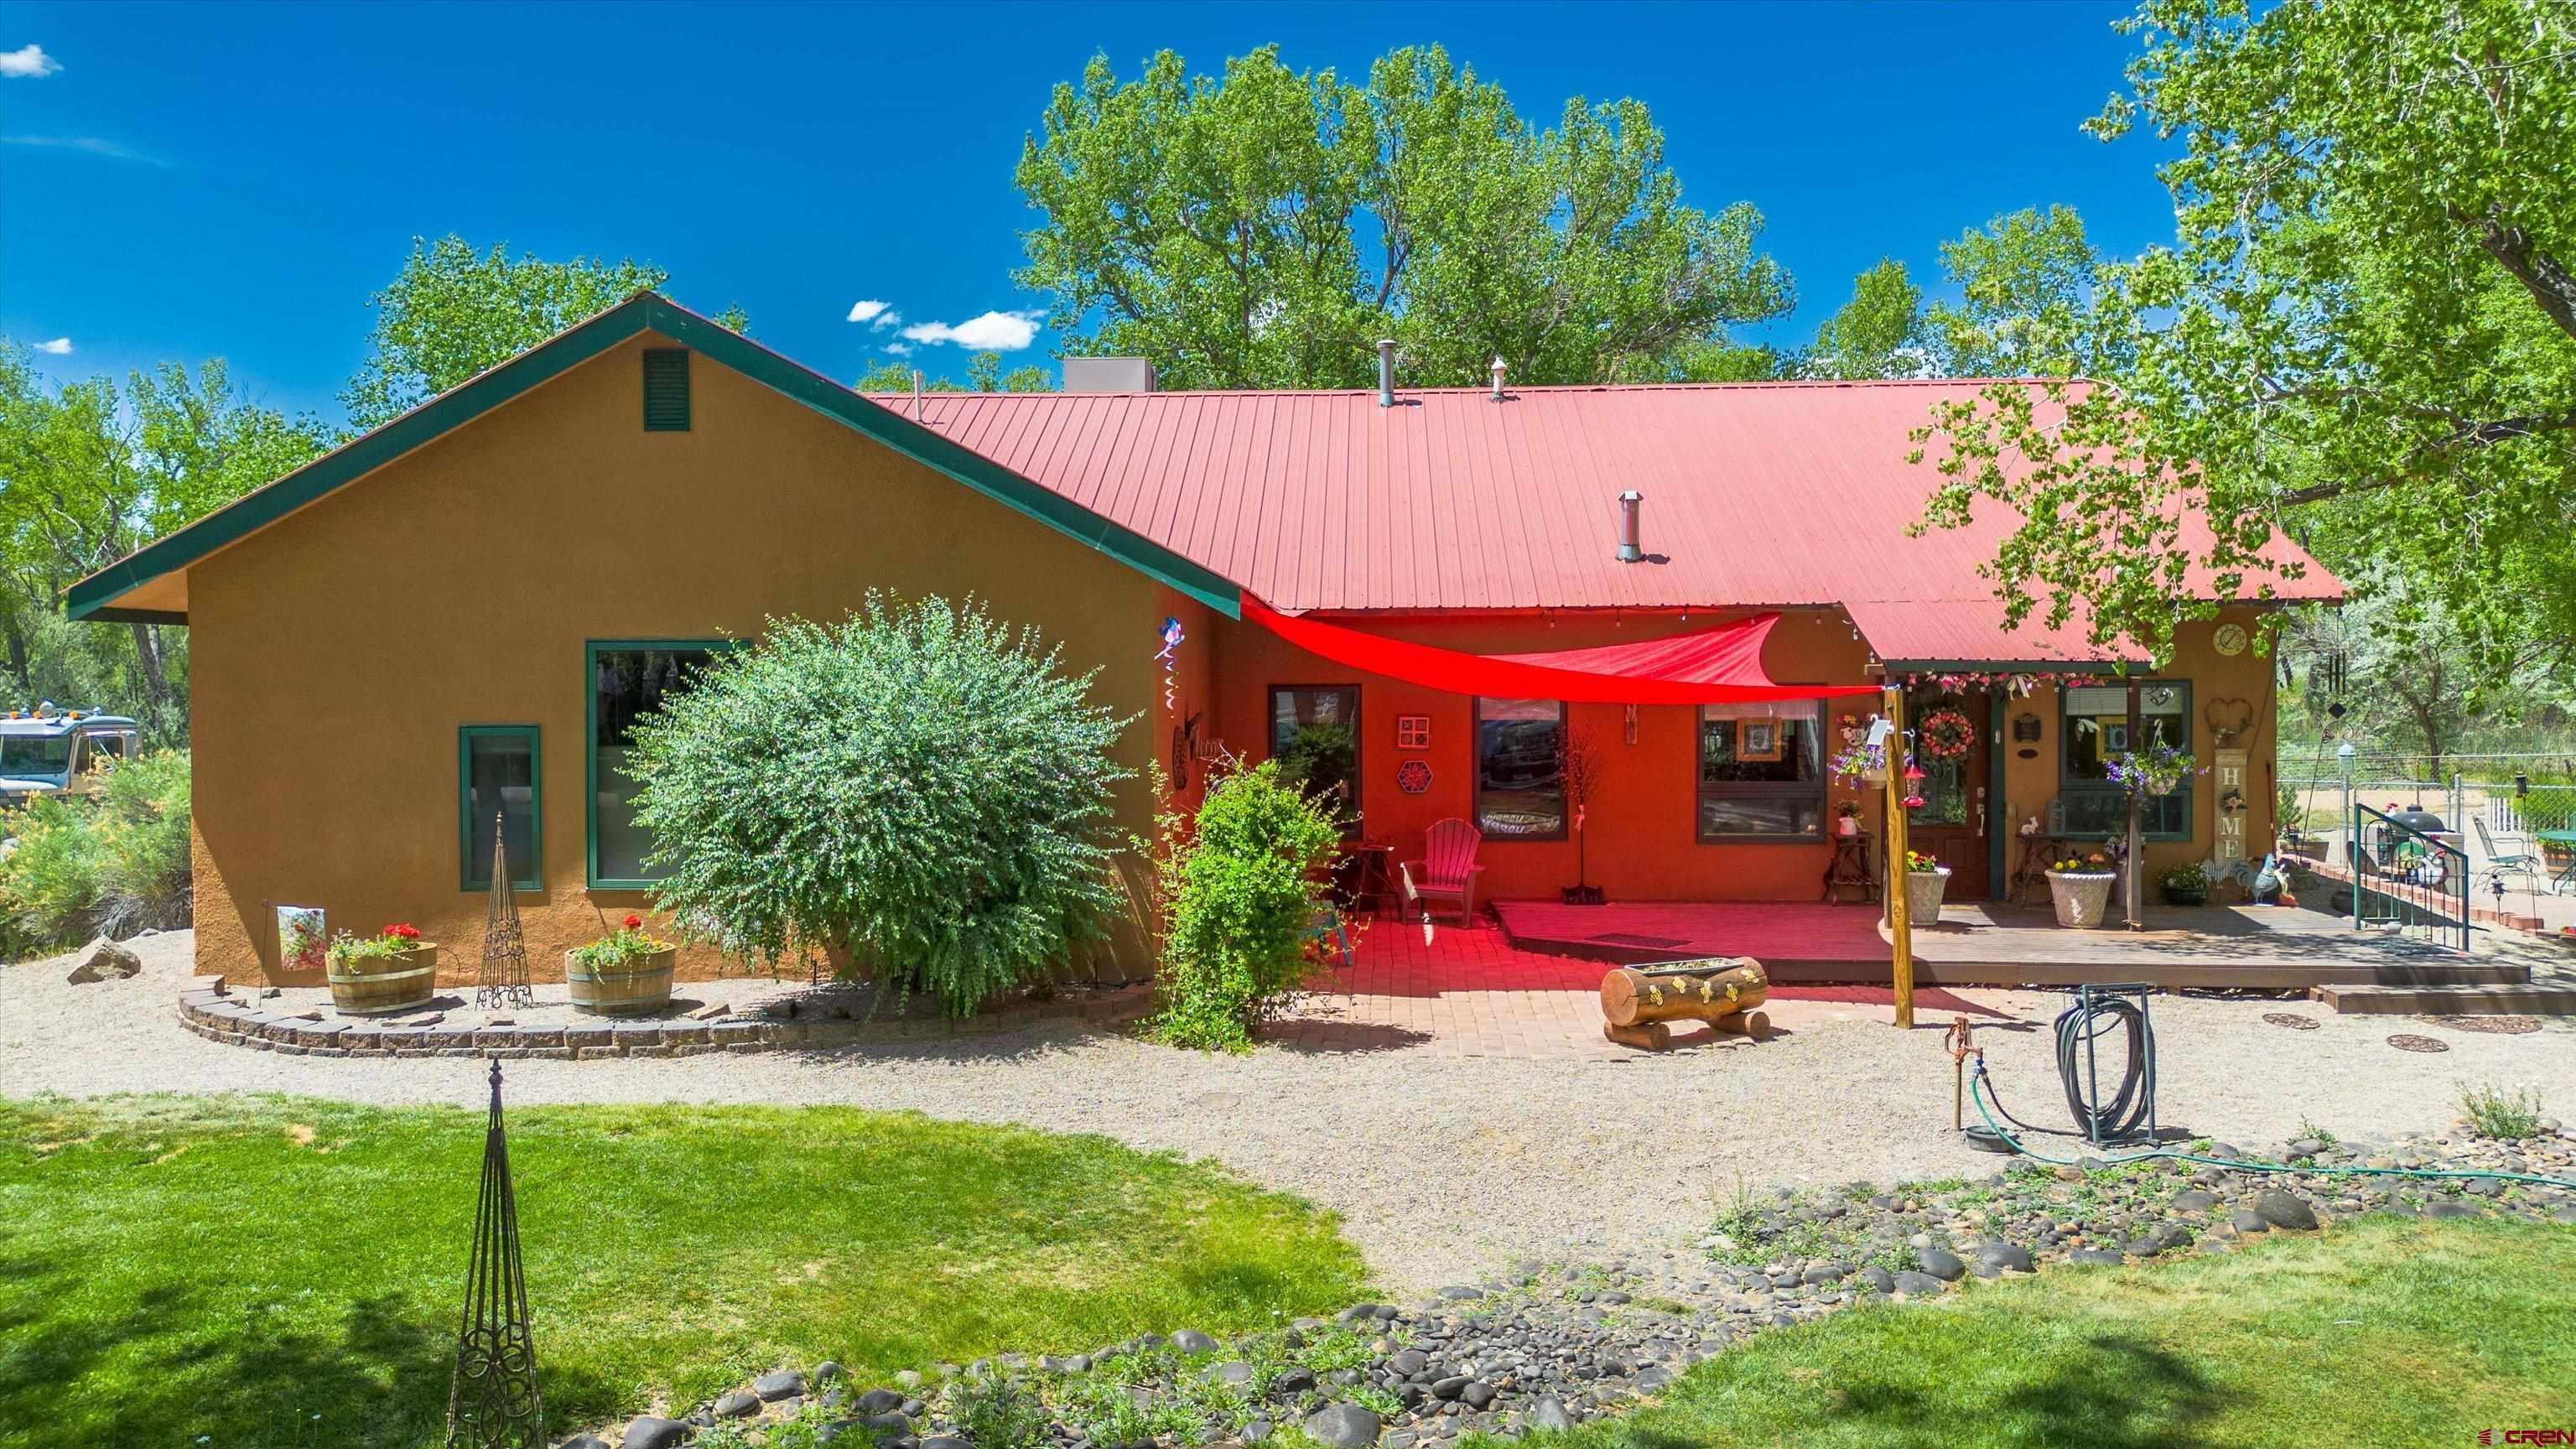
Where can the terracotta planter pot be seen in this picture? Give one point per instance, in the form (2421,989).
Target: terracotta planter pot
(408,980)
(1923,892)
(1847,825)
(2081,897)
(640,990)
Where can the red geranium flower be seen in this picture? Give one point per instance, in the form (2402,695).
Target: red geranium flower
(404,931)
(634,921)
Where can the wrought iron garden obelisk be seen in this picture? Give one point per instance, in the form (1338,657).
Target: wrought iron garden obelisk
(492,1398)
(504,978)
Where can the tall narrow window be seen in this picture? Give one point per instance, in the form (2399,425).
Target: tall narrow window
(2096,733)
(1315,737)
(1761,772)
(497,771)
(1520,785)
(629,678)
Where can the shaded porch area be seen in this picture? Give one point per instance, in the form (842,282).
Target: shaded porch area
(1993,944)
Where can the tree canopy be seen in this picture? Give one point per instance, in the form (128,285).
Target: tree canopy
(1265,228)
(2364,334)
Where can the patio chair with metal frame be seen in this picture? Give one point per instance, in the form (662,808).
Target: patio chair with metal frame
(2525,862)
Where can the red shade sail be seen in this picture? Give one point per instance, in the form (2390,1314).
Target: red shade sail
(1715,666)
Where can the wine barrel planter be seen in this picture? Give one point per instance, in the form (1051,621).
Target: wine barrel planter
(640,990)
(408,980)
(2082,898)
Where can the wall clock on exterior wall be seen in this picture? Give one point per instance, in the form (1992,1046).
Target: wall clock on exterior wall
(1413,777)
(2230,639)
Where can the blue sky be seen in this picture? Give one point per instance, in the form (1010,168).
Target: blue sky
(210,179)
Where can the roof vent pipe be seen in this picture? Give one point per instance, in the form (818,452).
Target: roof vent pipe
(1386,372)
(1629,552)
(1498,379)
(916,394)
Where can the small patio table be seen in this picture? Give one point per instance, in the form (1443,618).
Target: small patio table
(2565,840)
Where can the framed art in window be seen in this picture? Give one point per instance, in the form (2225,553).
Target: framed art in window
(1761,741)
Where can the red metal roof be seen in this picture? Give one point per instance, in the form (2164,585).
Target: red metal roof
(1756,494)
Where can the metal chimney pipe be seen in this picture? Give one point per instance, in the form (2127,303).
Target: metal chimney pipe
(1386,372)
(1498,379)
(916,394)
(1629,552)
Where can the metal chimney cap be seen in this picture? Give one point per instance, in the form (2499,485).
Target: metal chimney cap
(1386,372)
(1498,369)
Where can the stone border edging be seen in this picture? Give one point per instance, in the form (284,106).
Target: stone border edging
(215,1013)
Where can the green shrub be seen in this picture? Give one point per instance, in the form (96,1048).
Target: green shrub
(918,785)
(113,863)
(998,1412)
(1239,900)
(2494,1112)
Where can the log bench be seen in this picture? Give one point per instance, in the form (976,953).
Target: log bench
(1638,1003)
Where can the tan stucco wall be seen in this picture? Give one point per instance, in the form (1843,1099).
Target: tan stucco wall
(336,653)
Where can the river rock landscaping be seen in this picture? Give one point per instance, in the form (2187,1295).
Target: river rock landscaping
(1551,1344)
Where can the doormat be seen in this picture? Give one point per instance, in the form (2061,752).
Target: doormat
(2292,1020)
(2409,1042)
(1625,938)
(2492,1025)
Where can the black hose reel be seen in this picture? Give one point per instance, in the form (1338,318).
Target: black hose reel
(2129,1113)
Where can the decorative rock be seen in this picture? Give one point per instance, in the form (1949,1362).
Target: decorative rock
(2095,1255)
(2194,1201)
(1461,1294)
(779,1385)
(880,1401)
(737,1404)
(2246,1220)
(2282,1210)
(1922,1285)
(1450,1387)
(2006,1256)
(651,1432)
(1190,1340)
(2451,1207)
(104,960)
(1237,1373)
(1879,1279)
(826,1371)
(1294,1381)
(1833,1272)
(1408,1362)
(1941,1263)
(1256,1430)
(1548,1416)
(1342,1426)
(1477,1394)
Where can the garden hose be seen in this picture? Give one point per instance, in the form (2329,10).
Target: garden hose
(2131,1111)
(1980,1089)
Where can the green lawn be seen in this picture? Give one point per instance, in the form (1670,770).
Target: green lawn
(278,1272)
(2382,1333)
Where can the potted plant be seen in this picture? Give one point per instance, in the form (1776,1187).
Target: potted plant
(392,970)
(1847,818)
(2159,769)
(2081,890)
(625,973)
(1926,881)
(2187,884)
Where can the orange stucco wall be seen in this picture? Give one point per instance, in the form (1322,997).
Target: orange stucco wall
(336,653)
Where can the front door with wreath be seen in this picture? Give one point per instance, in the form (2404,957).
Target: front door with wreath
(1951,747)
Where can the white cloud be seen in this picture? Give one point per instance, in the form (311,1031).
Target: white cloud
(59,347)
(992,332)
(28,62)
(93,145)
(898,349)
(869,311)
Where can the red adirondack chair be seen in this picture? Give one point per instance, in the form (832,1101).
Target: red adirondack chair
(1447,870)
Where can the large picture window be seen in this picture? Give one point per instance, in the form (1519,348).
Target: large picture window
(1520,790)
(1315,737)
(2096,733)
(628,679)
(497,774)
(1761,771)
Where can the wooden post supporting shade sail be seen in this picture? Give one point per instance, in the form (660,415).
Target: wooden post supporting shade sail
(1900,926)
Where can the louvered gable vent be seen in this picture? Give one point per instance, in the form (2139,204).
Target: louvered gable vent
(666,390)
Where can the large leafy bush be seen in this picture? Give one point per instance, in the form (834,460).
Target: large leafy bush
(1238,896)
(918,785)
(112,864)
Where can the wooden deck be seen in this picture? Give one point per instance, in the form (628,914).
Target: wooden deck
(1988,944)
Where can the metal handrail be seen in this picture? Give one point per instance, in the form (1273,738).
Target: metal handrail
(2411,913)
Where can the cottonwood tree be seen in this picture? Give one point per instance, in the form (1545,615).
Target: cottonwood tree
(2366,326)
(452,312)
(983,374)
(89,472)
(1264,228)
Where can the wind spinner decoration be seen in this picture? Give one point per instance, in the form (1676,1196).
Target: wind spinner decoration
(1171,636)
(492,1397)
(504,978)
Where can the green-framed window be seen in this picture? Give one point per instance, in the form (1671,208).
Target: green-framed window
(500,774)
(627,679)
(2096,731)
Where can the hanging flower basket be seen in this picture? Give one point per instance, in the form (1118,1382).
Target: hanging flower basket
(1946,734)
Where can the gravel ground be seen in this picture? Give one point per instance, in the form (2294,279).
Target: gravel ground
(1440,1168)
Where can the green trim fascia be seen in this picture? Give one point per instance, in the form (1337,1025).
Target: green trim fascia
(591,649)
(535,875)
(940,454)
(642,313)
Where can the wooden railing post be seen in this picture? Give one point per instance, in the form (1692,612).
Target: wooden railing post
(1900,928)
